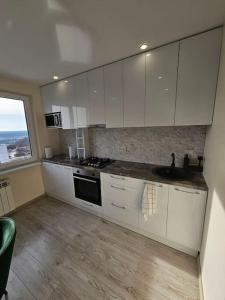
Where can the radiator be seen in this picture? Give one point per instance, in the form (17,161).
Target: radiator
(7,203)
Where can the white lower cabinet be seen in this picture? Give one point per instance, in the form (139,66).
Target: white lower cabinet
(179,218)
(186,210)
(120,198)
(178,221)
(58,181)
(156,223)
(47,169)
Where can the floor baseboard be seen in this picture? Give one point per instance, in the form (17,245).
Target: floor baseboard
(200,279)
(22,206)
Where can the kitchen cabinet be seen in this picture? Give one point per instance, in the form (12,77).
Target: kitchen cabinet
(51,98)
(67,184)
(96,97)
(161,80)
(197,78)
(113,95)
(81,111)
(172,85)
(186,210)
(59,97)
(47,176)
(178,221)
(58,181)
(65,91)
(120,198)
(156,223)
(134,91)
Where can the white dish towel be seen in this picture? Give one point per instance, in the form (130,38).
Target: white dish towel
(149,203)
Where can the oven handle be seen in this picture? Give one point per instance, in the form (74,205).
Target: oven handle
(85,179)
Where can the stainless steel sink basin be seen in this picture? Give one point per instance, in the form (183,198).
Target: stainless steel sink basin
(173,173)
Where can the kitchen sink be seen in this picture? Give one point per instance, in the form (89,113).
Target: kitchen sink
(173,173)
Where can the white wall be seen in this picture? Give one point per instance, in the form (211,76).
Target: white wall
(212,256)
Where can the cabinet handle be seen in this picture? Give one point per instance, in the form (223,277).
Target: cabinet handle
(120,178)
(154,184)
(121,207)
(117,188)
(193,193)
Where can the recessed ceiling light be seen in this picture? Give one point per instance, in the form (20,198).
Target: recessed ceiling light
(160,77)
(55,77)
(144,46)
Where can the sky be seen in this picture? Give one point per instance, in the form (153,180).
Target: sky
(12,115)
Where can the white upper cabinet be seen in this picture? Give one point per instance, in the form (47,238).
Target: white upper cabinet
(96,97)
(66,95)
(59,97)
(113,95)
(171,85)
(51,98)
(197,78)
(161,80)
(81,111)
(134,91)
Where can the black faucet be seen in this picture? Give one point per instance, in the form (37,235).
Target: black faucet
(173,160)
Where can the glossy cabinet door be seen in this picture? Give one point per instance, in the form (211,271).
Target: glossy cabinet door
(47,169)
(120,199)
(59,97)
(197,78)
(58,181)
(113,95)
(161,81)
(186,211)
(81,111)
(68,192)
(134,91)
(96,97)
(156,223)
(66,95)
(51,98)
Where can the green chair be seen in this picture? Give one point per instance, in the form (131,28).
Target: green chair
(7,239)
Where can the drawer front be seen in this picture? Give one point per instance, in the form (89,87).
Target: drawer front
(123,196)
(122,181)
(121,213)
(87,205)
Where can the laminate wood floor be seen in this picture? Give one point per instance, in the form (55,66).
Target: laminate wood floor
(62,252)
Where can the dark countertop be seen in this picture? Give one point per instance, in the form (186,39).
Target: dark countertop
(136,170)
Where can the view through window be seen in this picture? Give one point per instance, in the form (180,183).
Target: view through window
(14,136)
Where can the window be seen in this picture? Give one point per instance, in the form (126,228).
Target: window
(17,140)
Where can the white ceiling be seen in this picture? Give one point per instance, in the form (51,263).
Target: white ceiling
(39,38)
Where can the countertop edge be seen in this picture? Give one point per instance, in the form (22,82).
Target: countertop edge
(108,170)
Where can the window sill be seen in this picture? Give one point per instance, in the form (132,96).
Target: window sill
(18,168)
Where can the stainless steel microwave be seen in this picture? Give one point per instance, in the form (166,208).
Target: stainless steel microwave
(53,120)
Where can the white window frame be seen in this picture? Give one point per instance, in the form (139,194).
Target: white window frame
(31,132)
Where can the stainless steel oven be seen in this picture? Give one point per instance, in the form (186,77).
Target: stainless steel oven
(87,185)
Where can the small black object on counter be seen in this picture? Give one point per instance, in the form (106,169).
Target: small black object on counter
(186,162)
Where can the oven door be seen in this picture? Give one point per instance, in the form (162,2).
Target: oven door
(88,189)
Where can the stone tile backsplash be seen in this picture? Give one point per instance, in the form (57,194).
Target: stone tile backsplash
(149,144)
(68,138)
(146,145)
